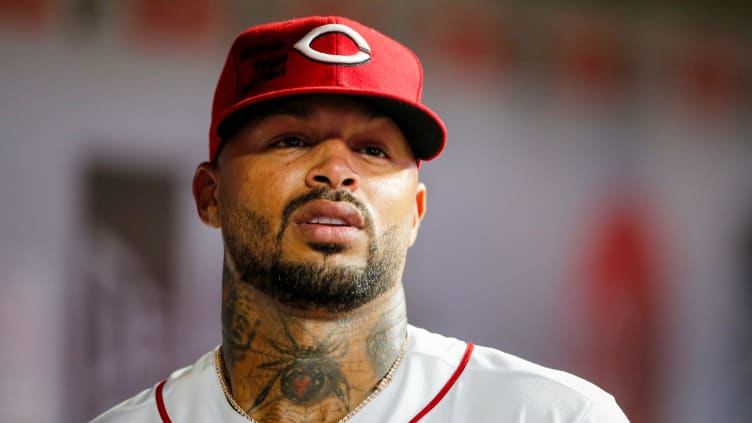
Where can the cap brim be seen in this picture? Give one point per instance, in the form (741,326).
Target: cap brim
(423,129)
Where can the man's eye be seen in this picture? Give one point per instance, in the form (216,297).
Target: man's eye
(374,151)
(289,142)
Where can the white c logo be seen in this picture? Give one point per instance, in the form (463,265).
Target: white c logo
(304,46)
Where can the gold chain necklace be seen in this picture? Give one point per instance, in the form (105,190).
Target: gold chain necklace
(383,383)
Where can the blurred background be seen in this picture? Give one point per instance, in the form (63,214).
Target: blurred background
(592,210)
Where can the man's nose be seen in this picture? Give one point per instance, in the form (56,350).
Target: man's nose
(333,168)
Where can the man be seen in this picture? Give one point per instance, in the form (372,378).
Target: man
(316,139)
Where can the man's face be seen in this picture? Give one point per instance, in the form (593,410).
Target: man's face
(318,201)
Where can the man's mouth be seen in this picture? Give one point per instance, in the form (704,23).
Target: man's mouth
(330,213)
(324,221)
(331,221)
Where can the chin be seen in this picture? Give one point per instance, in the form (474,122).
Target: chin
(331,253)
(334,285)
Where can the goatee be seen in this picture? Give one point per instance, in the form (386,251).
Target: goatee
(257,255)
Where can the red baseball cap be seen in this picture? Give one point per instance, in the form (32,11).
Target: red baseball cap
(323,55)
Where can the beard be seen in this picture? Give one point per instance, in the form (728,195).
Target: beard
(256,250)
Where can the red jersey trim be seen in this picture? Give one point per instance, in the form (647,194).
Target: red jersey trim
(160,403)
(437,399)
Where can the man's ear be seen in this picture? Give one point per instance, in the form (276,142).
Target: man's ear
(205,194)
(420,211)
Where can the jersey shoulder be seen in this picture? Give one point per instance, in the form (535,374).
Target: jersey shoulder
(500,383)
(543,387)
(142,407)
(139,408)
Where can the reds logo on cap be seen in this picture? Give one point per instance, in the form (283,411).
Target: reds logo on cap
(359,58)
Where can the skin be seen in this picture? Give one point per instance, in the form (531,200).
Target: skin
(299,361)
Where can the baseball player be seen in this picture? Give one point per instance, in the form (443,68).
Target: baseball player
(316,139)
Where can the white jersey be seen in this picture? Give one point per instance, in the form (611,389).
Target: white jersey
(439,380)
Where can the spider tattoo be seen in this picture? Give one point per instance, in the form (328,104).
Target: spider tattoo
(308,374)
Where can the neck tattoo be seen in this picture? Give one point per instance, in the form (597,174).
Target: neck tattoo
(219,366)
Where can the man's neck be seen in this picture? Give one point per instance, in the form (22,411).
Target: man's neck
(284,364)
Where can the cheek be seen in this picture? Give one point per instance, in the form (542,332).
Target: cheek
(260,188)
(395,202)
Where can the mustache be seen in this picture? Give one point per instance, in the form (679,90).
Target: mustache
(323,193)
